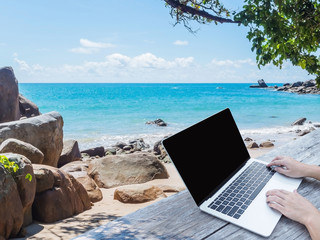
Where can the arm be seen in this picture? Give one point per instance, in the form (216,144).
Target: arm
(295,169)
(297,208)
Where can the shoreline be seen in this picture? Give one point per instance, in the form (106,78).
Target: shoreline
(109,209)
(106,210)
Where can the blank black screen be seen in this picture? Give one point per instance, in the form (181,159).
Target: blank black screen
(207,153)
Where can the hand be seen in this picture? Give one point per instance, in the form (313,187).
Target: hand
(292,205)
(289,167)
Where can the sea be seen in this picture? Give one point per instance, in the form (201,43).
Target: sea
(102,114)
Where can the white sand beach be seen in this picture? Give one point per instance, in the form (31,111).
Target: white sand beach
(106,210)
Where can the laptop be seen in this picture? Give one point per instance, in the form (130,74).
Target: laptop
(224,181)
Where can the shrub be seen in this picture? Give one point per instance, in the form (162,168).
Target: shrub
(12,167)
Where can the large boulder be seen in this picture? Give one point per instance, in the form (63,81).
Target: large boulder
(64,199)
(44,132)
(26,188)
(27,108)
(16,146)
(11,210)
(9,96)
(79,170)
(137,193)
(70,152)
(117,170)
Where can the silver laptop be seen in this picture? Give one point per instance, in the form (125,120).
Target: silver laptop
(223,180)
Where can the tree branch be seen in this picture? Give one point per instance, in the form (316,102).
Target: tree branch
(187,9)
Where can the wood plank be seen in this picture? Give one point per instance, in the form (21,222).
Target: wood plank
(178,217)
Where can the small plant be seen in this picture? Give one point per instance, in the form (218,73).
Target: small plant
(12,167)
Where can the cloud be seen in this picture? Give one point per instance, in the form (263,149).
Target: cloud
(90,44)
(232,63)
(181,43)
(148,67)
(89,47)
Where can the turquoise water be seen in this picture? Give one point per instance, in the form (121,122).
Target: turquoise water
(102,114)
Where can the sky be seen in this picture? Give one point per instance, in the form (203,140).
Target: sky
(125,41)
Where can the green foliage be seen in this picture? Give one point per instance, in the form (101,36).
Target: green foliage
(12,167)
(283,30)
(280,30)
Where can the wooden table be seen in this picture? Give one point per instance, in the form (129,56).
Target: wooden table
(178,217)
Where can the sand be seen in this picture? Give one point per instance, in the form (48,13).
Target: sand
(105,210)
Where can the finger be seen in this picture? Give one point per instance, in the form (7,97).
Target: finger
(276,162)
(275,199)
(277,207)
(281,170)
(278,192)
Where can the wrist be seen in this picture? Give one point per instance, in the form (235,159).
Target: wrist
(312,223)
(311,171)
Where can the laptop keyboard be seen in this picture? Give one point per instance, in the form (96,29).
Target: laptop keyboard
(236,198)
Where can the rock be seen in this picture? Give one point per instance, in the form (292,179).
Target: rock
(304,132)
(92,152)
(138,144)
(297,84)
(26,188)
(158,122)
(43,131)
(120,145)
(27,108)
(110,151)
(253,145)
(138,193)
(70,153)
(266,144)
(9,96)
(171,188)
(11,210)
(66,198)
(91,187)
(78,170)
(116,170)
(247,139)
(262,83)
(23,148)
(299,122)
(44,178)
(309,83)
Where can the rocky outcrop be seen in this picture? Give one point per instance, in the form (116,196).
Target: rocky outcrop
(44,132)
(138,193)
(9,96)
(16,146)
(70,153)
(64,199)
(116,170)
(261,84)
(11,210)
(16,196)
(307,87)
(131,147)
(79,170)
(26,188)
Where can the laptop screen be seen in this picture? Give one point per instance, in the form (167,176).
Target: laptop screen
(207,153)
